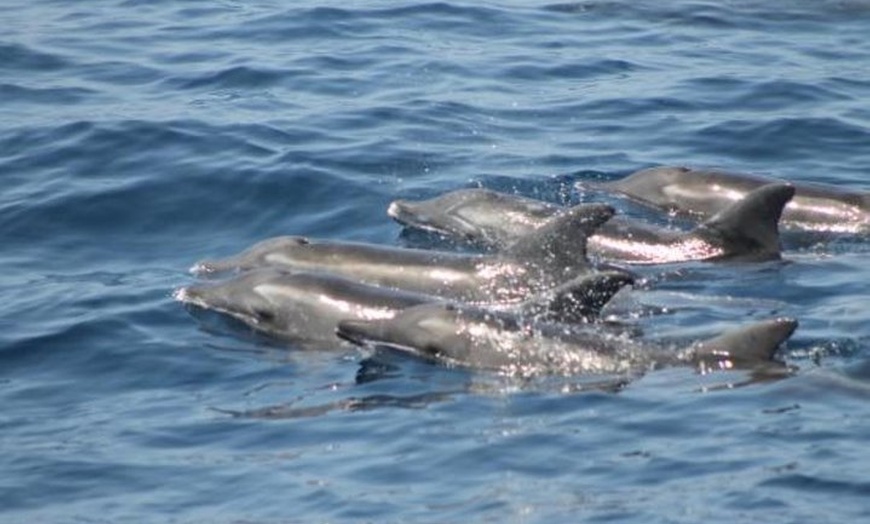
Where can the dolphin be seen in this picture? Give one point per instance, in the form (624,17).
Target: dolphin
(744,230)
(306,307)
(553,256)
(480,338)
(704,193)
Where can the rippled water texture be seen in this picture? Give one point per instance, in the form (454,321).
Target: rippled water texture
(139,137)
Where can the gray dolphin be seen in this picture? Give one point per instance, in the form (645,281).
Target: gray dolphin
(704,193)
(744,230)
(499,341)
(305,308)
(553,256)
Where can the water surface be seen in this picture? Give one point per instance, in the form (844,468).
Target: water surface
(137,138)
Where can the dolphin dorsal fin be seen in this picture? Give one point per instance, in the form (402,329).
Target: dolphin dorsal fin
(750,227)
(578,300)
(561,241)
(745,347)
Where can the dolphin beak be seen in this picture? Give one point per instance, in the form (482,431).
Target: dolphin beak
(395,209)
(205,297)
(204,267)
(402,212)
(187,295)
(207,268)
(359,332)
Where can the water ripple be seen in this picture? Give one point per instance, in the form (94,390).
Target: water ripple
(139,137)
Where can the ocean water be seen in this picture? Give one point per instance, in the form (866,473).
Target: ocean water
(139,137)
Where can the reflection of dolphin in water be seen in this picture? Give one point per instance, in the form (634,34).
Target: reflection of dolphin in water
(745,230)
(481,338)
(553,256)
(707,192)
(305,308)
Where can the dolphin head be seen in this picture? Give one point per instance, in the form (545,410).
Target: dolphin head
(443,214)
(479,215)
(256,256)
(302,307)
(653,184)
(248,298)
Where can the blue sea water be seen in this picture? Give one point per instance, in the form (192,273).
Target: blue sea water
(139,137)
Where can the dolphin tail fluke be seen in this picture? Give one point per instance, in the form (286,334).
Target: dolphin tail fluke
(745,347)
(562,240)
(749,228)
(579,300)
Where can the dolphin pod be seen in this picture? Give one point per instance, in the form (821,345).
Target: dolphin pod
(498,341)
(529,305)
(703,193)
(305,308)
(745,230)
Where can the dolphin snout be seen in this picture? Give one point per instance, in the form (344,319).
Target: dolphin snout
(181,294)
(208,267)
(191,295)
(403,212)
(213,297)
(395,209)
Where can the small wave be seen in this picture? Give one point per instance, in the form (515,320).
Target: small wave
(26,59)
(817,484)
(45,95)
(789,138)
(735,14)
(238,77)
(571,71)
(741,94)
